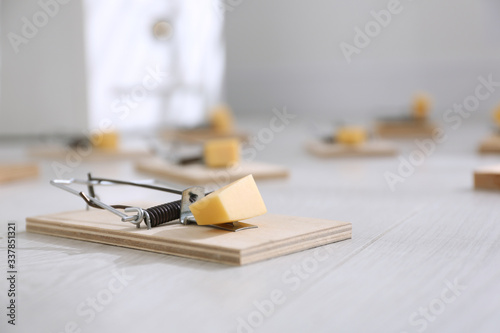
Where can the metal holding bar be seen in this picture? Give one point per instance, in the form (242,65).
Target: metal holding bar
(173,212)
(91,201)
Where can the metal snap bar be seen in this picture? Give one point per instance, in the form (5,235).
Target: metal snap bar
(168,213)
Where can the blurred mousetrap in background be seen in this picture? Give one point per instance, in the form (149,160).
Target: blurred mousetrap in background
(17,171)
(416,124)
(104,146)
(215,161)
(350,141)
(487,178)
(221,124)
(491,144)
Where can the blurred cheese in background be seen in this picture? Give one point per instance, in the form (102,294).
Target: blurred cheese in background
(422,104)
(351,135)
(107,141)
(496,115)
(222,119)
(221,153)
(133,66)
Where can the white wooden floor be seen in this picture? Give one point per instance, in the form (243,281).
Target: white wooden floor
(424,258)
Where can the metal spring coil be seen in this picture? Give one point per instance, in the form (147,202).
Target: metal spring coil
(164,213)
(167,212)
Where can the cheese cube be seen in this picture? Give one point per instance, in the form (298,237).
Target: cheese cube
(351,135)
(496,115)
(222,120)
(221,153)
(106,141)
(234,202)
(421,105)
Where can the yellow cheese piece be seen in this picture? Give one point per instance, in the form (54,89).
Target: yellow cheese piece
(421,106)
(351,135)
(107,141)
(496,116)
(234,202)
(222,120)
(221,153)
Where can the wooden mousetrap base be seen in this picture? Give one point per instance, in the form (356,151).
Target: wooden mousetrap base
(490,145)
(12,172)
(199,174)
(487,178)
(275,236)
(201,135)
(321,148)
(404,129)
(61,153)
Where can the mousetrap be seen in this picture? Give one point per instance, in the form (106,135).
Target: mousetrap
(200,174)
(416,124)
(189,227)
(220,124)
(487,178)
(57,153)
(490,145)
(325,148)
(12,172)
(404,127)
(201,135)
(213,161)
(95,155)
(350,141)
(107,147)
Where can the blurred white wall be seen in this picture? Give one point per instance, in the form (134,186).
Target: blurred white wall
(43,68)
(70,66)
(287,53)
(140,81)
(89,62)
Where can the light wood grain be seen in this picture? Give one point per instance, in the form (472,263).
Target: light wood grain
(276,235)
(490,145)
(12,172)
(371,148)
(406,244)
(199,174)
(404,129)
(487,178)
